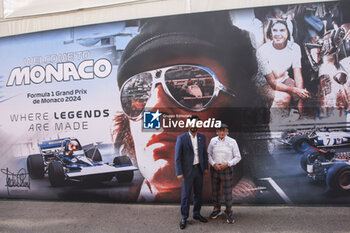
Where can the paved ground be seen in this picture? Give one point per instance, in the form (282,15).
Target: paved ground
(45,216)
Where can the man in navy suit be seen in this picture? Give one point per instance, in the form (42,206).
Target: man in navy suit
(191,162)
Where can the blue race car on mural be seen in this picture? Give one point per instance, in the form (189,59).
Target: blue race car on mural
(66,160)
(328,166)
(318,137)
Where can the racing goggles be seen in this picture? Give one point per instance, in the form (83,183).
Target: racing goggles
(192,87)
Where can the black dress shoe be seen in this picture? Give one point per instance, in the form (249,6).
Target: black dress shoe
(183,224)
(200,218)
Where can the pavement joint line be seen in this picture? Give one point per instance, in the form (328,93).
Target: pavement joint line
(278,190)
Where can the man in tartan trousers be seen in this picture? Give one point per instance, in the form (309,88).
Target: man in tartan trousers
(223,154)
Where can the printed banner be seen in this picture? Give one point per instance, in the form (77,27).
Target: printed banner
(94,113)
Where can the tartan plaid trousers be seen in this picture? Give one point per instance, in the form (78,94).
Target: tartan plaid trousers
(223,177)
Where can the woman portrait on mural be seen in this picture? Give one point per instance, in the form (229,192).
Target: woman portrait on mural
(203,52)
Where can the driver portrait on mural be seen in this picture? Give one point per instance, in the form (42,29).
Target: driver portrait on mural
(179,66)
(276,57)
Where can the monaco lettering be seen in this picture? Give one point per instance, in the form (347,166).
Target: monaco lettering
(66,71)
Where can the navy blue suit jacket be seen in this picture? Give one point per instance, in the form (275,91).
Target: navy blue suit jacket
(184,154)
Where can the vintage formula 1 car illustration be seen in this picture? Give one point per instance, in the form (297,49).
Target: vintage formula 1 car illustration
(328,166)
(318,137)
(65,159)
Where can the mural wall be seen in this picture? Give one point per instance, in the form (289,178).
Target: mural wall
(92,113)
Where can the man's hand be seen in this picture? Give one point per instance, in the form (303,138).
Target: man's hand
(302,93)
(206,172)
(217,167)
(244,190)
(220,167)
(180,177)
(224,166)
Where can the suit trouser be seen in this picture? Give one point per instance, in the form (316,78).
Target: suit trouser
(195,180)
(222,177)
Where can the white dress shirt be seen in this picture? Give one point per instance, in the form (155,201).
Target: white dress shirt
(195,148)
(223,151)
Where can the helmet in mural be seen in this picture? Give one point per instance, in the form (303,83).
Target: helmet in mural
(73,146)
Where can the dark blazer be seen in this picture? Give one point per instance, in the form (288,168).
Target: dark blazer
(184,154)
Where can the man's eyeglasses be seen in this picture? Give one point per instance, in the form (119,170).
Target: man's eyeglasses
(192,87)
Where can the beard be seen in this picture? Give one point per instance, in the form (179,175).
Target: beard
(193,130)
